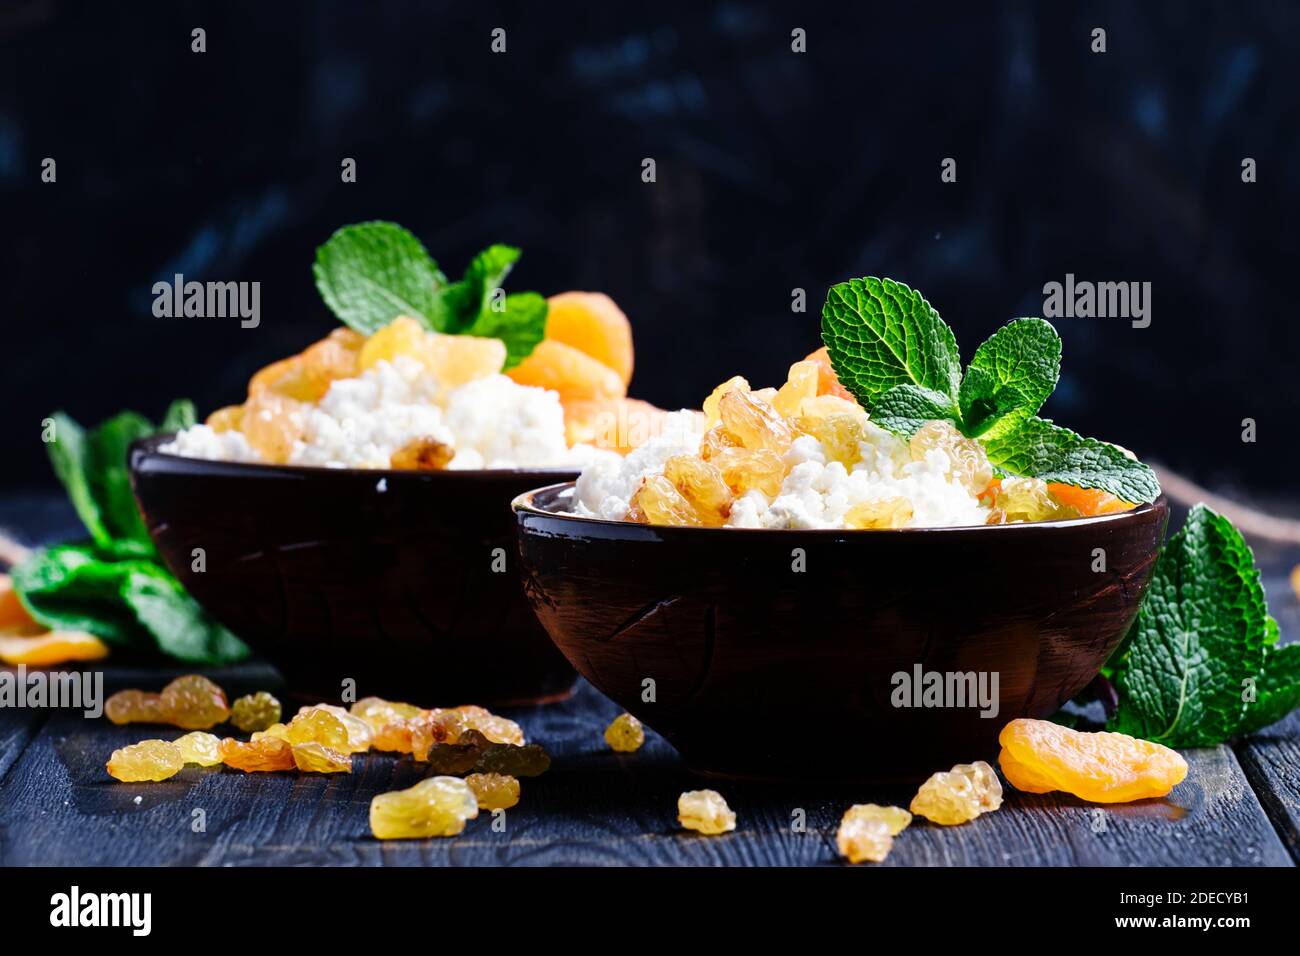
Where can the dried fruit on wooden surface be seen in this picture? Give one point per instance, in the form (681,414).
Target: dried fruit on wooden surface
(191,702)
(263,754)
(1039,756)
(312,757)
(625,734)
(436,807)
(255,712)
(148,760)
(956,796)
(200,748)
(705,811)
(494,791)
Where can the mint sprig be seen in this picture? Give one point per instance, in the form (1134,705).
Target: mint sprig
(1201,638)
(890,348)
(115,587)
(371,272)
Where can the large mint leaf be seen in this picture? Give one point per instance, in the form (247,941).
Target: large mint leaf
(70,454)
(1009,377)
(1198,638)
(905,408)
(1039,449)
(110,479)
(180,414)
(372,272)
(880,334)
(521,325)
(1277,688)
(130,601)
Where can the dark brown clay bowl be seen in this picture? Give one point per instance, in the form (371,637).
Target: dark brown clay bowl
(331,575)
(760,671)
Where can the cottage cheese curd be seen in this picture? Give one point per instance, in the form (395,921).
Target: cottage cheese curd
(815,493)
(491,422)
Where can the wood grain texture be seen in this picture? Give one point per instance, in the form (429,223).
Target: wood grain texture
(57,806)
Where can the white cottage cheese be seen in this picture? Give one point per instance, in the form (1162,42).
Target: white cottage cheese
(491,422)
(815,494)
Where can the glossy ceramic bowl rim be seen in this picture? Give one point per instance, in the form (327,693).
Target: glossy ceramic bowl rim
(179,464)
(524,504)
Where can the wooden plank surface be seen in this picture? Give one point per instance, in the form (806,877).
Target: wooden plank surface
(57,806)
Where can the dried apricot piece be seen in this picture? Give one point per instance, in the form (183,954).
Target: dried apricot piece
(625,734)
(568,371)
(1039,756)
(494,791)
(51,648)
(255,711)
(402,336)
(592,323)
(705,811)
(229,418)
(1088,501)
(273,423)
(456,360)
(148,760)
(436,807)
(828,383)
(616,424)
(955,796)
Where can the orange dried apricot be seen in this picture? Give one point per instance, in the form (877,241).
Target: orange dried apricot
(592,323)
(570,372)
(1039,756)
(1088,501)
(828,383)
(51,648)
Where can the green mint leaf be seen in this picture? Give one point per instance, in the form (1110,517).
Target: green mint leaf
(880,333)
(1198,637)
(372,272)
(905,408)
(180,414)
(110,478)
(1277,687)
(469,298)
(1039,449)
(70,455)
(132,602)
(520,325)
(1010,377)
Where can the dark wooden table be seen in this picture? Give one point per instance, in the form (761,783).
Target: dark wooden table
(1240,804)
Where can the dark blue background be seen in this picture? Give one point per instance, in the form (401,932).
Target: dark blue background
(775,170)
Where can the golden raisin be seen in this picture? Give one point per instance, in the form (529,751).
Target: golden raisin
(841,436)
(958,795)
(1039,756)
(705,811)
(701,484)
(436,807)
(754,423)
(625,734)
(199,748)
(148,760)
(867,831)
(883,513)
(263,754)
(744,470)
(423,454)
(494,791)
(711,404)
(317,726)
(801,383)
(968,463)
(661,503)
(313,757)
(255,712)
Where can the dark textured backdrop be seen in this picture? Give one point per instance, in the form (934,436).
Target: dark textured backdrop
(775,170)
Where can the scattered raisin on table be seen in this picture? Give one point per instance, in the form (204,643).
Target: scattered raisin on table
(264,754)
(494,791)
(436,807)
(625,734)
(867,831)
(958,795)
(200,748)
(705,811)
(255,712)
(147,760)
